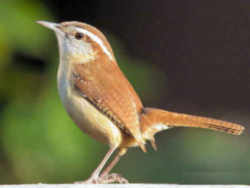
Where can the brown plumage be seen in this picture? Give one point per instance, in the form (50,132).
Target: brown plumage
(151,118)
(98,82)
(102,102)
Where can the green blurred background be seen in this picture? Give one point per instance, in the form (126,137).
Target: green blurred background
(191,57)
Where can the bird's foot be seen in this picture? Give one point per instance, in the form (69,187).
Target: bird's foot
(113,178)
(106,179)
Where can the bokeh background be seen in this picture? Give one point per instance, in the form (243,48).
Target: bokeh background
(186,56)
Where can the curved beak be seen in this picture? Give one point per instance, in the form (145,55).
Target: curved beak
(53,26)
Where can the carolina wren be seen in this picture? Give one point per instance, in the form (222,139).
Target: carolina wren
(102,102)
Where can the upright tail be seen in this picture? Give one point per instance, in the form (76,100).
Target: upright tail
(155,120)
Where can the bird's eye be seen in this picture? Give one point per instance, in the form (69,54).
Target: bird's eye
(79,36)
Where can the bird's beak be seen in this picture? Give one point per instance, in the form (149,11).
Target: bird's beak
(53,26)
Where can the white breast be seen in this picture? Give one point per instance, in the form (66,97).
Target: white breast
(83,113)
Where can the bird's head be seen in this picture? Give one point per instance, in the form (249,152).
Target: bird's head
(79,41)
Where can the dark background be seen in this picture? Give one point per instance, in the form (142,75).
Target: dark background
(186,56)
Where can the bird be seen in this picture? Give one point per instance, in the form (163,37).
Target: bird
(102,102)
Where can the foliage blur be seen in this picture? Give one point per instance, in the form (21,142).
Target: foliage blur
(40,143)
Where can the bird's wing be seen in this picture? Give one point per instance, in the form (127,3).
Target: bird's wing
(105,86)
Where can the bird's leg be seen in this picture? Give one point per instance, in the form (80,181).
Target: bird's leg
(111,178)
(116,159)
(95,176)
(98,170)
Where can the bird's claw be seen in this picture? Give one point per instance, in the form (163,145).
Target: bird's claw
(106,179)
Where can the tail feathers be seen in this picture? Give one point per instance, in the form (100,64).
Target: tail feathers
(156,120)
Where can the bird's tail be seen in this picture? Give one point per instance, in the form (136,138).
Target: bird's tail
(156,120)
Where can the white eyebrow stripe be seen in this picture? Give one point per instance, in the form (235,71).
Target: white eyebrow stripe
(97,40)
